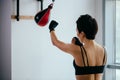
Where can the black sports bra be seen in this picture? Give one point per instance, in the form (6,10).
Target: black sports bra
(86,69)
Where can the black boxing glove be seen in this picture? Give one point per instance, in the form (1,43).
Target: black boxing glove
(52,25)
(77,42)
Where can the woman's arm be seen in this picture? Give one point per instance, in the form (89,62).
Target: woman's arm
(69,48)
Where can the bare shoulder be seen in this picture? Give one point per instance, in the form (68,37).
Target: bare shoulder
(100,49)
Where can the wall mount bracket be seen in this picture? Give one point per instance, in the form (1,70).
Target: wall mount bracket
(18,17)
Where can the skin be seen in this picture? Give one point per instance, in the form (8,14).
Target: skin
(95,53)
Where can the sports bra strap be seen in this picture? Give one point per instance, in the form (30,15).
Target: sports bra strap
(83,51)
(104,56)
(82,55)
(86,56)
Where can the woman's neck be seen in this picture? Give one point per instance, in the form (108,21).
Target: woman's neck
(88,43)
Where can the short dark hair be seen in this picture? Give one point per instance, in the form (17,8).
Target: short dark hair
(88,25)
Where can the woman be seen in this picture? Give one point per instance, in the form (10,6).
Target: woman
(89,57)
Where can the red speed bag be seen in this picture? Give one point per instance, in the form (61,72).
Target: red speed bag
(42,17)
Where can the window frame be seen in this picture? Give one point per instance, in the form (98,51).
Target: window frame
(116,31)
(110,43)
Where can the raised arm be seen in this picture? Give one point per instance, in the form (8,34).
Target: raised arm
(66,47)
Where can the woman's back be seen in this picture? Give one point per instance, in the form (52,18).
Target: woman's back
(94,57)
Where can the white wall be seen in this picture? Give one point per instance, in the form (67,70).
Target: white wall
(33,55)
(99,12)
(5,40)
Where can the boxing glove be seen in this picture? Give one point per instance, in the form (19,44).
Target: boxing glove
(52,25)
(77,42)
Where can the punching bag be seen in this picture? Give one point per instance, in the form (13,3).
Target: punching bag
(42,17)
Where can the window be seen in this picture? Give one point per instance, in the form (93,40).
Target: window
(118,38)
(112,38)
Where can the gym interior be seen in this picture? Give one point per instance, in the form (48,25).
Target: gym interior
(26,52)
